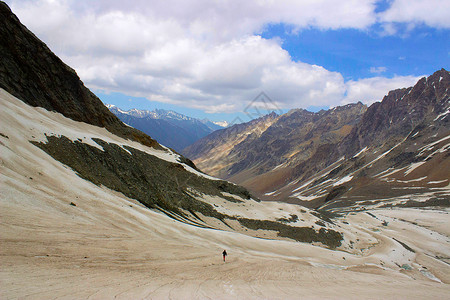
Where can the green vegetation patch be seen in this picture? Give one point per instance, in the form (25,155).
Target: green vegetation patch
(292,218)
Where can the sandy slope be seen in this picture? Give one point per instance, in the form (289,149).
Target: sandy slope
(110,246)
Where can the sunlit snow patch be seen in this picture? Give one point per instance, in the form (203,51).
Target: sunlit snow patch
(343,180)
(360,152)
(413,166)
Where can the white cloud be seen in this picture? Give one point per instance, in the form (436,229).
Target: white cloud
(373,89)
(378,70)
(434,13)
(200,53)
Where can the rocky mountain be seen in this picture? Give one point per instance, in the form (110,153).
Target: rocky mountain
(168,127)
(396,147)
(58,135)
(214,125)
(399,149)
(272,144)
(214,152)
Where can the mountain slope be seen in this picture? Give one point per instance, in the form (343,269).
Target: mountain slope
(401,112)
(214,153)
(400,148)
(31,72)
(261,160)
(395,148)
(169,128)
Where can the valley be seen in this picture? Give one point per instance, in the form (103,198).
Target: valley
(60,232)
(346,203)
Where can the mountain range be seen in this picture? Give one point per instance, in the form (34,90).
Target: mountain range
(397,147)
(168,127)
(93,208)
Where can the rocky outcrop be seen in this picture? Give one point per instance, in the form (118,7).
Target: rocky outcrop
(30,71)
(156,183)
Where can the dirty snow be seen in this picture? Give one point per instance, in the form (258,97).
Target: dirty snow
(113,247)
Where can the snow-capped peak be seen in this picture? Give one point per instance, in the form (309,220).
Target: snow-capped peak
(223,124)
(154,114)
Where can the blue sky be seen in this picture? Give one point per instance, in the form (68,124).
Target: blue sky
(353,53)
(210,59)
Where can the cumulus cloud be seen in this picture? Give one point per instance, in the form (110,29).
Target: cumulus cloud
(433,13)
(373,89)
(200,53)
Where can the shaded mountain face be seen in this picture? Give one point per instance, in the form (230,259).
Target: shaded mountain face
(346,156)
(169,128)
(71,135)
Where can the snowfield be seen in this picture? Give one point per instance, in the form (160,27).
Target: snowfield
(64,237)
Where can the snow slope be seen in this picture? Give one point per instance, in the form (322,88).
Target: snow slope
(64,237)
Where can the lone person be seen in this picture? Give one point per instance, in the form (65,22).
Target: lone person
(224,253)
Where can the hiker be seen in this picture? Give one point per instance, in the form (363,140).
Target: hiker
(224,253)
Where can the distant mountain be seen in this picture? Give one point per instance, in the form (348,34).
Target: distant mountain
(398,147)
(214,152)
(168,127)
(244,151)
(214,125)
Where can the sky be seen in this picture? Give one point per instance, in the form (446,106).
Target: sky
(232,59)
